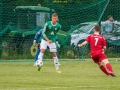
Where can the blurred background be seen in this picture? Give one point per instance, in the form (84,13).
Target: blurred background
(20,20)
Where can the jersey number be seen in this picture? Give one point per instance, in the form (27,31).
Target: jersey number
(96,41)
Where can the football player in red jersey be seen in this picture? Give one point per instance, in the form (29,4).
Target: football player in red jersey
(97,51)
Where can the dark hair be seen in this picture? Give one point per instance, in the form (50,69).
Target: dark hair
(97,28)
(109,16)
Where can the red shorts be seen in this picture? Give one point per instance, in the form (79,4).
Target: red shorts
(98,56)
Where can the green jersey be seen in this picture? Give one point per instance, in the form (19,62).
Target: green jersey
(51,30)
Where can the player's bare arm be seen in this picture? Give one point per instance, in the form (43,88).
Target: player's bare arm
(44,35)
(46,38)
(82,44)
(104,48)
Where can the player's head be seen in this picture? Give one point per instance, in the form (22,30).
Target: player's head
(54,17)
(39,4)
(110,18)
(97,28)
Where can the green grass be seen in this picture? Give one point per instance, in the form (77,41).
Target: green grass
(76,75)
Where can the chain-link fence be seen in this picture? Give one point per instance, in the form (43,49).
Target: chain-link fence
(21,19)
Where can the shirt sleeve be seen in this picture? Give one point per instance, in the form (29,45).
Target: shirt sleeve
(88,39)
(36,36)
(44,30)
(39,33)
(59,28)
(104,42)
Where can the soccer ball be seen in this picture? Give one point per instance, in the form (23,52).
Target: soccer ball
(39,63)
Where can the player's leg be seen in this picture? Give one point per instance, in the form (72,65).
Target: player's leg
(36,56)
(53,49)
(43,47)
(40,56)
(56,62)
(37,53)
(39,62)
(102,68)
(57,57)
(108,67)
(95,58)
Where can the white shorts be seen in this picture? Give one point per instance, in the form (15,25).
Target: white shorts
(52,46)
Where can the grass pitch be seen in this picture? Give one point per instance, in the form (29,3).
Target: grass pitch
(76,75)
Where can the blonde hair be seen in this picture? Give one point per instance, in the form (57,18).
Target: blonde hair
(54,15)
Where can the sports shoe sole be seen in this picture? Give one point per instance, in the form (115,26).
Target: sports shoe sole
(112,74)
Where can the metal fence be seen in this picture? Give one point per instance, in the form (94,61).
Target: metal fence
(21,19)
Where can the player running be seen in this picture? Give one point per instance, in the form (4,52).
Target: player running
(97,50)
(49,37)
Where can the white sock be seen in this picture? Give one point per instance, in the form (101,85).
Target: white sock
(56,63)
(40,56)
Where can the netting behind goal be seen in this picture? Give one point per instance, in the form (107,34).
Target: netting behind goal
(21,19)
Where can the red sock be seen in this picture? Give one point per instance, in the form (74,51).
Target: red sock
(103,69)
(109,67)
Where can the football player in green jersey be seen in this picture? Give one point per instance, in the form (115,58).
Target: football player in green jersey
(49,38)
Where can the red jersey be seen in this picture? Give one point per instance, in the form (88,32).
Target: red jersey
(96,42)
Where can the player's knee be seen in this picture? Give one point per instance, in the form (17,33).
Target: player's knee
(105,61)
(54,54)
(42,50)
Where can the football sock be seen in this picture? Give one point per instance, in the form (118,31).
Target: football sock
(40,56)
(109,67)
(36,56)
(56,62)
(103,69)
